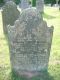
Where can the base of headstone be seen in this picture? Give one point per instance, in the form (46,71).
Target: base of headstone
(28,74)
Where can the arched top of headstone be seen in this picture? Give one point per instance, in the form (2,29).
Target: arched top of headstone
(30,12)
(29,22)
(10,4)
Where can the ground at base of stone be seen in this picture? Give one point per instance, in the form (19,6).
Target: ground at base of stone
(44,75)
(29,74)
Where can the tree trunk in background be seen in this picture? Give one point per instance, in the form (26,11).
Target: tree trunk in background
(33,3)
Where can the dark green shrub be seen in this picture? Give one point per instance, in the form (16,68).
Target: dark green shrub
(50,1)
(1,1)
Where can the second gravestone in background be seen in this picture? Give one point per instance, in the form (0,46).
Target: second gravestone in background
(24,4)
(10,14)
(40,5)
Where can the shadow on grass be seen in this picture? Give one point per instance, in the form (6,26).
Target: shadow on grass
(48,16)
(42,76)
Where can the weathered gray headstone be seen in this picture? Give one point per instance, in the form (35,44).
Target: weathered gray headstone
(24,4)
(10,13)
(30,43)
(40,5)
(29,37)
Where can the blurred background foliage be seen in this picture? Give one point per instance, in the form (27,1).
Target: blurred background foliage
(33,1)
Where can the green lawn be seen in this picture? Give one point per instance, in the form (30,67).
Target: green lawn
(54,19)
(52,16)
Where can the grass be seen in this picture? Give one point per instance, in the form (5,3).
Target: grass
(55,50)
(52,16)
(48,16)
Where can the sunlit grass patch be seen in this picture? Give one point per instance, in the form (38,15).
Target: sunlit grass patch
(48,16)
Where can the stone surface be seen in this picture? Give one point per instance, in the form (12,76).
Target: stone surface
(40,5)
(30,43)
(24,4)
(29,38)
(10,13)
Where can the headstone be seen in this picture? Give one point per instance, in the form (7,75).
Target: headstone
(10,13)
(40,5)
(30,42)
(29,38)
(24,4)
